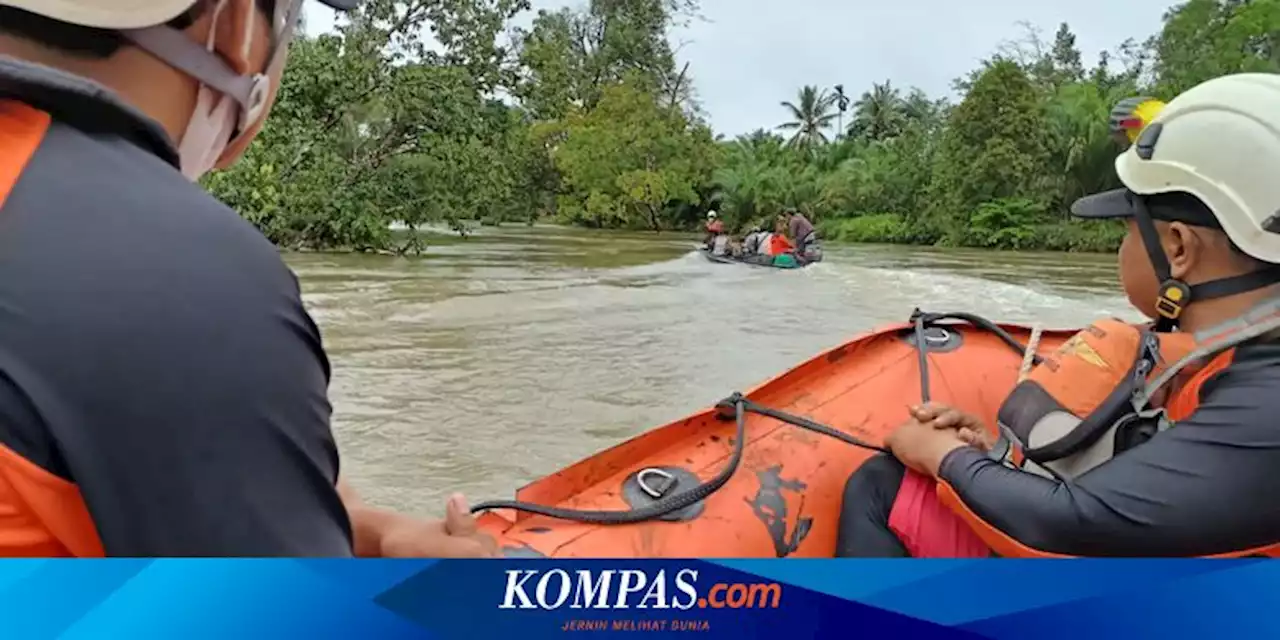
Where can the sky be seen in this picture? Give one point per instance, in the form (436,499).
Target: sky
(747,56)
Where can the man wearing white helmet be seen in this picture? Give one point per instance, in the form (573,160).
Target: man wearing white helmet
(715,239)
(163,392)
(1180,458)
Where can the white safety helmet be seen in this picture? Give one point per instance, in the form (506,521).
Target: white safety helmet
(1220,142)
(143,22)
(711,214)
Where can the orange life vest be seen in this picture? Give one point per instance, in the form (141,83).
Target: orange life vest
(1102,392)
(1066,414)
(779,244)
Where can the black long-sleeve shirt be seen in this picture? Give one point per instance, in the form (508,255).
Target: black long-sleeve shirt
(163,392)
(1206,486)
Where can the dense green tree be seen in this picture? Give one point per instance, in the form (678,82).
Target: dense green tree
(1206,38)
(1029,136)
(423,112)
(1067,66)
(627,159)
(571,56)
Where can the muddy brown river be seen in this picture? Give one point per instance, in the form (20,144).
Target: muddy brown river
(492,361)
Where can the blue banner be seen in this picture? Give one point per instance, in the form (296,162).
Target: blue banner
(784,599)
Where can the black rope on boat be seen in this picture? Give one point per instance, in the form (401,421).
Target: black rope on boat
(932,319)
(922,320)
(741,407)
(674,502)
(816,427)
(922,353)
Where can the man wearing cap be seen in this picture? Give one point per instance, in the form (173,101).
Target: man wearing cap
(1202,205)
(163,392)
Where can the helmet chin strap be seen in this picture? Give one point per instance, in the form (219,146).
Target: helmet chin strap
(1174,294)
(250,92)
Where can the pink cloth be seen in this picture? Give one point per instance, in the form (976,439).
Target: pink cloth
(928,528)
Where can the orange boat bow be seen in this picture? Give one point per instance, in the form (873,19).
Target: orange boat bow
(784,499)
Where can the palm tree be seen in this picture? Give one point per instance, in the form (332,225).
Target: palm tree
(757,146)
(811,118)
(920,109)
(879,114)
(1084,154)
(752,191)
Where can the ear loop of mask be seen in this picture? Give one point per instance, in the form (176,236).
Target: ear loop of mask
(213,118)
(207,67)
(282,29)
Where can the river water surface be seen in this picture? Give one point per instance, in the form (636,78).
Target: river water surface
(490,362)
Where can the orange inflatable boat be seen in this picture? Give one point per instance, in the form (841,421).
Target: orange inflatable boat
(761,474)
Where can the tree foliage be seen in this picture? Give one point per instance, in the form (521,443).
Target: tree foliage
(624,161)
(999,167)
(424,112)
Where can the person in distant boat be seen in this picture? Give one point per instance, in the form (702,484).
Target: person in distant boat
(715,239)
(753,241)
(778,242)
(804,236)
(765,239)
(713,227)
(1196,478)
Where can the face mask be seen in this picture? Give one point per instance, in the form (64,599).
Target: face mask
(229,107)
(207,133)
(214,118)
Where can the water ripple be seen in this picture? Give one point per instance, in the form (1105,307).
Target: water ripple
(500,359)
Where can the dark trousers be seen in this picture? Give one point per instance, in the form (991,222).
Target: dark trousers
(864,514)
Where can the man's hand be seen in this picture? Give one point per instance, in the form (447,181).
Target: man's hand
(456,536)
(967,426)
(922,447)
(941,416)
(386,534)
(980,439)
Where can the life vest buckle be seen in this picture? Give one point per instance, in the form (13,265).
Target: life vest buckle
(1137,428)
(1006,450)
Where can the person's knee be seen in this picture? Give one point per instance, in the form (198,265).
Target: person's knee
(875,479)
(867,503)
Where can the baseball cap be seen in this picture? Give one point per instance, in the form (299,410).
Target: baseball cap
(124,14)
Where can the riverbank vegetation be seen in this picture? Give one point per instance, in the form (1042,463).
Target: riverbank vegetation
(439,112)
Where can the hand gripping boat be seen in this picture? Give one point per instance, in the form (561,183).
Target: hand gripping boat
(762,474)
